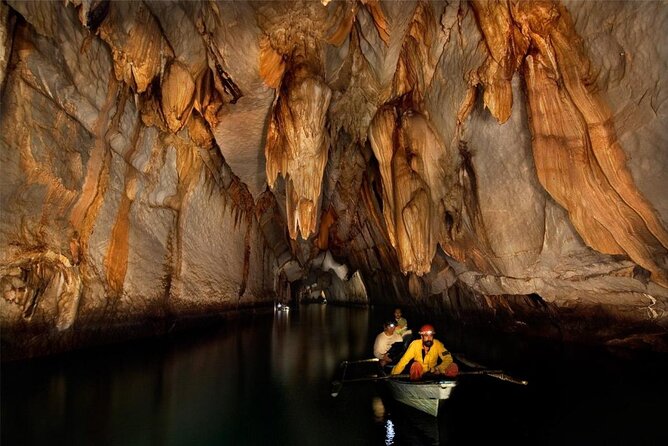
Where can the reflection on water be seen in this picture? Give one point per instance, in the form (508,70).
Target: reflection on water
(378,409)
(316,342)
(389,432)
(266,380)
(414,427)
(404,425)
(254,381)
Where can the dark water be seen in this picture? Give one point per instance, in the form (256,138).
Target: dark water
(266,380)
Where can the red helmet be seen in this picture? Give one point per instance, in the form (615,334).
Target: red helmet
(427,330)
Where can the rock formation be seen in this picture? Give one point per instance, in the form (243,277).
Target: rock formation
(498,161)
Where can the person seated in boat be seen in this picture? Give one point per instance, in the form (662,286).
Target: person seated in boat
(429,356)
(385,347)
(402,325)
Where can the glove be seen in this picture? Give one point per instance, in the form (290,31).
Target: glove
(416,371)
(452,370)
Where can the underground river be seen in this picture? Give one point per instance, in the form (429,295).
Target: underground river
(265,380)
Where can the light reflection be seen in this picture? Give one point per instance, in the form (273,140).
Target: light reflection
(282,307)
(198,388)
(389,433)
(312,341)
(378,409)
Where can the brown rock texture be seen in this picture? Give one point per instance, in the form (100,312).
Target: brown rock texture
(498,161)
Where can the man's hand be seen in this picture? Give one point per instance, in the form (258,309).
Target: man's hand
(452,370)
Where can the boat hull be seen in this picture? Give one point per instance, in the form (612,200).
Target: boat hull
(424,396)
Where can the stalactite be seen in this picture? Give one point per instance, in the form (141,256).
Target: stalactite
(608,210)
(381,135)
(506,46)
(136,43)
(177,95)
(416,65)
(575,145)
(297,146)
(272,65)
(349,16)
(408,153)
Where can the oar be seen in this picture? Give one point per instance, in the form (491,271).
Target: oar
(479,372)
(467,362)
(498,374)
(337,385)
(360,361)
(505,377)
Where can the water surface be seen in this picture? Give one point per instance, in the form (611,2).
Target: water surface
(265,380)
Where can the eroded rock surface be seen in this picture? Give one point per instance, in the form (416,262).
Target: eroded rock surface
(501,161)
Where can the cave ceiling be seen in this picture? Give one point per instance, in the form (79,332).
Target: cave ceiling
(184,157)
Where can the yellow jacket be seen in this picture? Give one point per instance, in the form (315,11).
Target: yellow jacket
(430,360)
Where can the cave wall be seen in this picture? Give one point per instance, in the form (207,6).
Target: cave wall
(501,162)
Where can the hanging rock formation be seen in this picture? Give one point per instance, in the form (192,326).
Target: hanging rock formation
(500,161)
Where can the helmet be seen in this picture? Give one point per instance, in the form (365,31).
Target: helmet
(389,324)
(427,329)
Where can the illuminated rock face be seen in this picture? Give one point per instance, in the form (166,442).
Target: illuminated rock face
(501,161)
(297,147)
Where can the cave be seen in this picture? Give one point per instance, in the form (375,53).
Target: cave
(494,165)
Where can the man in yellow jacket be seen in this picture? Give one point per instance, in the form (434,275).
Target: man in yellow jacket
(429,356)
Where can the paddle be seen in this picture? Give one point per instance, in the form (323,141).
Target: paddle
(498,374)
(360,361)
(337,385)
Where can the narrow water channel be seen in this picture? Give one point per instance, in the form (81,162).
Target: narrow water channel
(265,380)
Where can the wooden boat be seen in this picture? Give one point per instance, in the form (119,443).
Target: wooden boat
(425,395)
(422,395)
